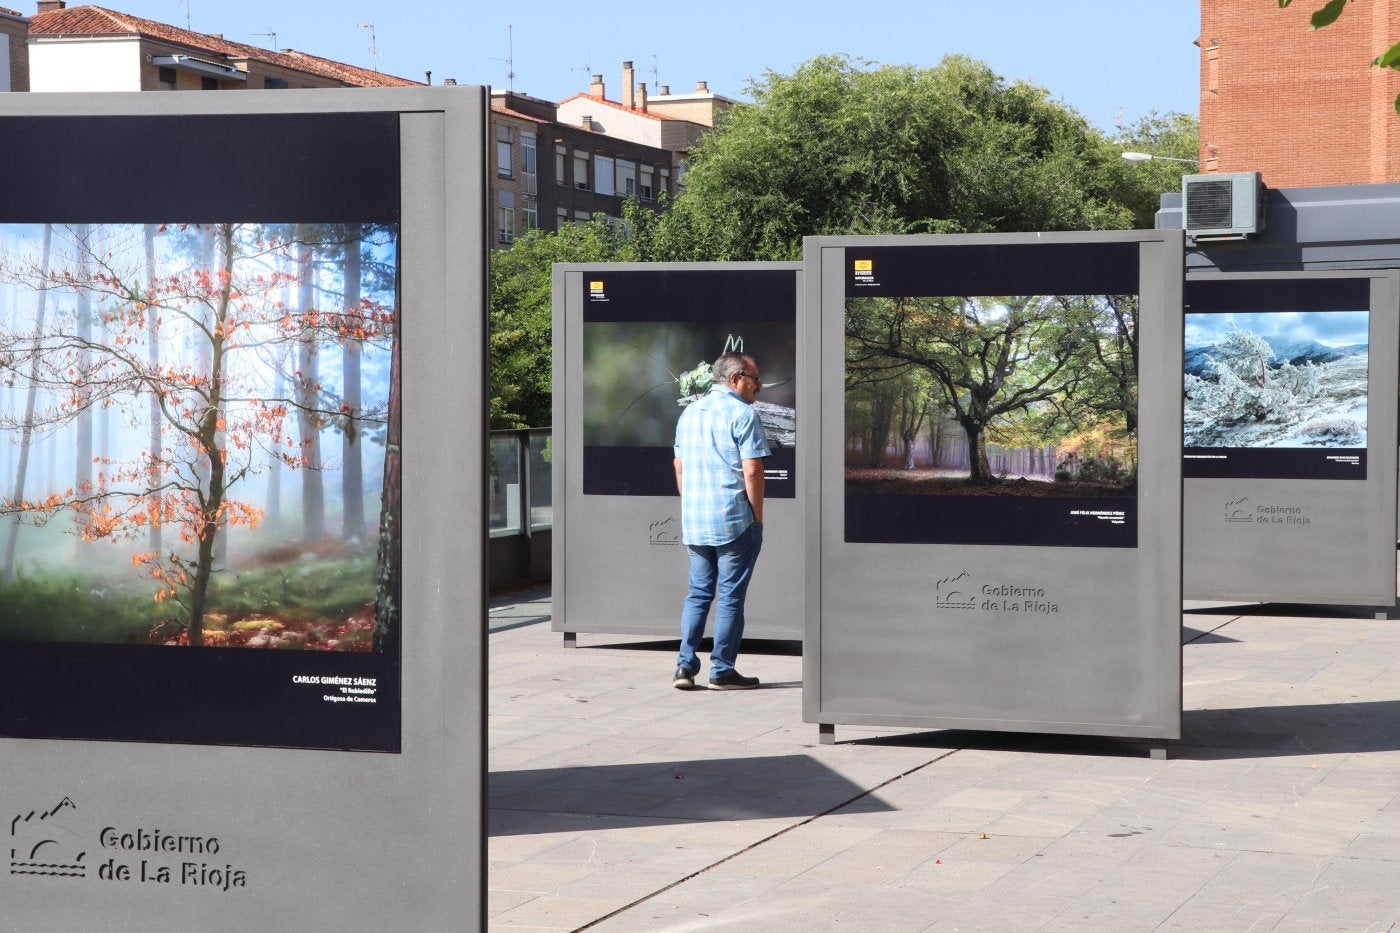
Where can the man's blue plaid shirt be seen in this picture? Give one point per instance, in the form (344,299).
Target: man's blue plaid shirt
(715,434)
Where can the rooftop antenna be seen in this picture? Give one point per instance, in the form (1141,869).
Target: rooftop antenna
(267,35)
(188,24)
(510,57)
(373,45)
(587,66)
(655,79)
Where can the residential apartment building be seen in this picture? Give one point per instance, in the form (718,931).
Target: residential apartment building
(550,164)
(14,52)
(554,164)
(1299,106)
(92,48)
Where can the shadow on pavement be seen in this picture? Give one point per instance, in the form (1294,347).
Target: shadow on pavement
(1206,734)
(1280,731)
(615,796)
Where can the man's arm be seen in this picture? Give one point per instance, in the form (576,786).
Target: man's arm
(753,485)
(678,476)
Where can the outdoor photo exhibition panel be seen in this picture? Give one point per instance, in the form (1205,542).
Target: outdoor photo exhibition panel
(633,344)
(999,483)
(1290,437)
(241,574)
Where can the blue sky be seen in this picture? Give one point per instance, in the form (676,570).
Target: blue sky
(1109,59)
(1329,328)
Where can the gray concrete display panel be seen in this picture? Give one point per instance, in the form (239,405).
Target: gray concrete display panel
(219,834)
(618,562)
(1308,515)
(970,611)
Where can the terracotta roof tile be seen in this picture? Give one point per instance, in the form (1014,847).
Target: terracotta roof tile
(100,21)
(15,13)
(501,108)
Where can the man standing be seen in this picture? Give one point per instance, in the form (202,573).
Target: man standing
(719,470)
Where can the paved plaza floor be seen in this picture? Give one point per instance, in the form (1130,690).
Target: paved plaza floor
(619,803)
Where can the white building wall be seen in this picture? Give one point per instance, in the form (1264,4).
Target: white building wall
(619,124)
(85,65)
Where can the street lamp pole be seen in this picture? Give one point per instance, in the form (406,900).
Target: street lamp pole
(1149,157)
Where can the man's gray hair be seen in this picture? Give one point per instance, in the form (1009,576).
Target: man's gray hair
(727,365)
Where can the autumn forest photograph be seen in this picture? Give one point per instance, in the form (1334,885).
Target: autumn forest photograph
(1029,395)
(199,441)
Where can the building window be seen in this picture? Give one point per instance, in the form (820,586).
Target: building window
(167,79)
(626,178)
(581,218)
(603,179)
(559,155)
(580,170)
(561,217)
(208,84)
(505,153)
(665,182)
(275,84)
(506,213)
(530,214)
(529,164)
(647,185)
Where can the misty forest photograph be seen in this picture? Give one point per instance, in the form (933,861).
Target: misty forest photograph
(1283,379)
(199,435)
(1030,395)
(639,377)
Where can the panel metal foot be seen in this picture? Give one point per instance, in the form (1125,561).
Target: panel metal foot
(826,733)
(1157,749)
(571,639)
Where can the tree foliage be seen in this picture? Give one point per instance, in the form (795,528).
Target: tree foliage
(215,421)
(521,314)
(838,148)
(1240,384)
(842,147)
(1020,371)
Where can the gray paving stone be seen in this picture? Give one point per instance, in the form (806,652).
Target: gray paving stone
(1280,810)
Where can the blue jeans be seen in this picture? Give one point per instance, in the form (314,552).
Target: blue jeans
(721,571)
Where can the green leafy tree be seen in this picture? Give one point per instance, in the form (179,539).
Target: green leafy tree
(991,359)
(521,313)
(1168,137)
(841,148)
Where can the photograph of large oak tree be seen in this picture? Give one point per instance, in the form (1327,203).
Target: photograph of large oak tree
(199,435)
(1008,396)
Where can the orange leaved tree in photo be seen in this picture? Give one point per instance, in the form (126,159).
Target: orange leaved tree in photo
(189,347)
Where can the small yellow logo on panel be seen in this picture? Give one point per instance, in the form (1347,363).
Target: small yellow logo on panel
(864,265)
(595,286)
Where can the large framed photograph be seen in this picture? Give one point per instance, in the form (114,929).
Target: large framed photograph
(199,464)
(975,416)
(1275,382)
(649,339)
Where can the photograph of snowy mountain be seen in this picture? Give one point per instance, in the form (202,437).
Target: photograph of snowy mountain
(1267,380)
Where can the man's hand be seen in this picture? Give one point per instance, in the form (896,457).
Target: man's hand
(753,485)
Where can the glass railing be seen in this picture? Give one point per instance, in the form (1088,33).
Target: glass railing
(520,482)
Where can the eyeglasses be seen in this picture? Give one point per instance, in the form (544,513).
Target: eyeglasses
(753,377)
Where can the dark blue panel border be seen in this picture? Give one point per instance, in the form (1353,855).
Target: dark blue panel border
(994,269)
(271,168)
(690,295)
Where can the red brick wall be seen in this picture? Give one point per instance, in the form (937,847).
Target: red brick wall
(1302,107)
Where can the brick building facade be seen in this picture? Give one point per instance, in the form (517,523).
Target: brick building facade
(14,51)
(1301,107)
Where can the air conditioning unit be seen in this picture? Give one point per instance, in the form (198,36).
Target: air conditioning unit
(1224,205)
